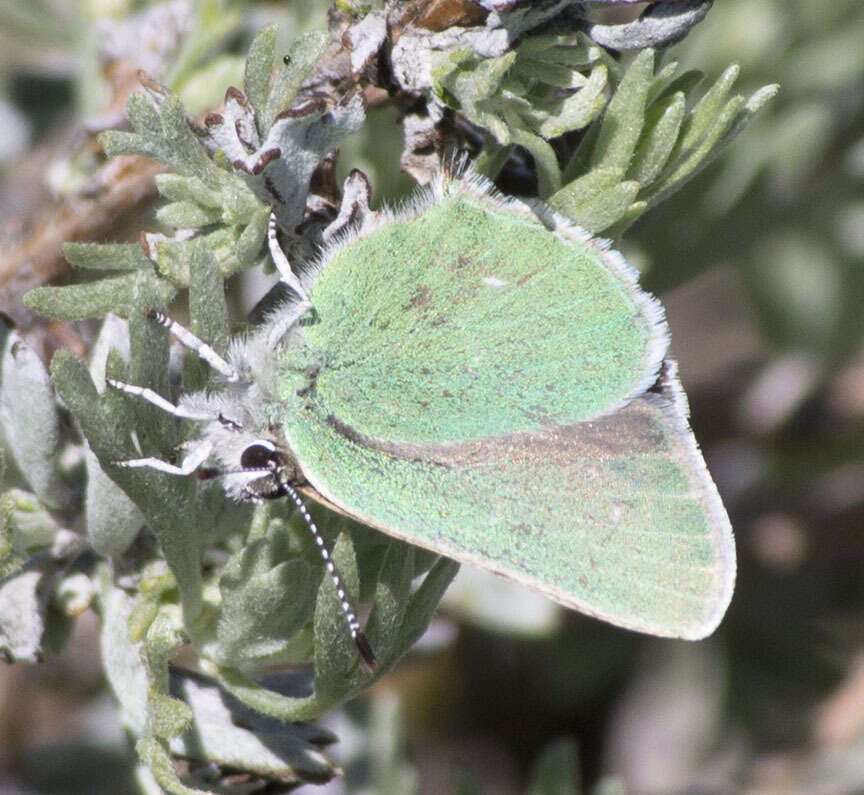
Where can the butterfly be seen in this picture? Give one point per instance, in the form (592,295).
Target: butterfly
(472,374)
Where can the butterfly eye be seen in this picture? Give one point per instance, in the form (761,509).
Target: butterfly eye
(260,456)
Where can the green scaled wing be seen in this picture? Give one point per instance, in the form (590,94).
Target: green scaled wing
(496,392)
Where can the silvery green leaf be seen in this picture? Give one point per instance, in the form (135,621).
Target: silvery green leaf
(113,520)
(24,599)
(659,25)
(580,162)
(167,501)
(93,299)
(545,159)
(597,200)
(573,51)
(391,598)
(222,731)
(550,73)
(426,598)
(172,143)
(143,113)
(266,601)
(22,619)
(208,311)
(662,79)
(335,652)
(235,738)
(302,55)
(662,124)
(107,256)
(29,419)
(577,110)
(251,240)
(722,123)
(259,67)
(184,215)
(189,189)
(703,114)
(726,125)
(625,115)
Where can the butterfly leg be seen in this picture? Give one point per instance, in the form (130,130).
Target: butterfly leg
(198,451)
(155,399)
(196,456)
(196,344)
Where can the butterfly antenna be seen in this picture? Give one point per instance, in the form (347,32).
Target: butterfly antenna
(350,616)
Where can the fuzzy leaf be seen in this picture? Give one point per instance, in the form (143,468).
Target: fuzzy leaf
(251,240)
(167,501)
(265,601)
(24,599)
(232,737)
(94,299)
(107,256)
(28,418)
(383,629)
(426,598)
(259,67)
(113,520)
(624,117)
(208,311)
(597,200)
(580,162)
(726,126)
(187,189)
(187,215)
(335,652)
(22,620)
(660,25)
(577,110)
(545,160)
(702,117)
(662,124)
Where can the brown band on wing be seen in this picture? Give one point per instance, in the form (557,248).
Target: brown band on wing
(629,430)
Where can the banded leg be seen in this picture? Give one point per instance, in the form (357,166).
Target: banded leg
(189,340)
(160,402)
(196,456)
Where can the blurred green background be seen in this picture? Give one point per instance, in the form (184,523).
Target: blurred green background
(760,263)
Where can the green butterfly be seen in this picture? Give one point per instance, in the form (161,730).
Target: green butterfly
(475,376)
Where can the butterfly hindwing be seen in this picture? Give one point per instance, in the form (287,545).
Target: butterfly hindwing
(615,517)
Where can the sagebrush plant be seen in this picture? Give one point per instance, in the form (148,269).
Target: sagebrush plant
(592,118)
